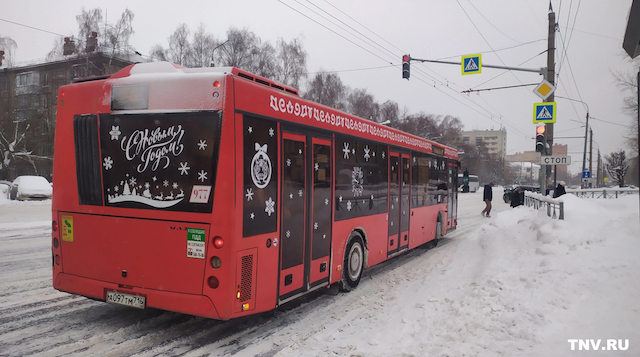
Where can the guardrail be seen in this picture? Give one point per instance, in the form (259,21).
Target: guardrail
(603,192)
(554,206)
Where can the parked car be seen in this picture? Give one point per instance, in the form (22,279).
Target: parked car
(31,188)
(508,192)
(5,189)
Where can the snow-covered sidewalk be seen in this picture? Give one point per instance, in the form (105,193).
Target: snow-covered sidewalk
(521,285)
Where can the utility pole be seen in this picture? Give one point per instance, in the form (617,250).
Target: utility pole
(590,150)
(551,74)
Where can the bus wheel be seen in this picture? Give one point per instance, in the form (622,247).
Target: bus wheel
(353,263)
(438,230)
(434,242)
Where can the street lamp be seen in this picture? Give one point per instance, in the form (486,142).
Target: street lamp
(214,50)
(586,133)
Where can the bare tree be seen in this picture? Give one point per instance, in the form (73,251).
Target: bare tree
(450,129)
(421,124)
(159,53)
(327,88)
(7,45)
(117,37)
(179,47)
(617,166)
(13,149)
(240,49)
(292,62)
(263,61)
(202,47)
(389,112)
(88,22)
(628,83)
(363,104)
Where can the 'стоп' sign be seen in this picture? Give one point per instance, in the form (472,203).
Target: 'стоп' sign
(555,160)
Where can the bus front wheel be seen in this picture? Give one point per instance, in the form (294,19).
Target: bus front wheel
(353,263)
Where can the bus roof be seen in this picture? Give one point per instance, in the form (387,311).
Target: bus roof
(167,67)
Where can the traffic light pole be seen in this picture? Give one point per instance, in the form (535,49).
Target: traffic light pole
(541,71)
(550,76)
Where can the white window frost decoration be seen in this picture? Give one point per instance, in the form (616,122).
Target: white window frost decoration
(269,206)
(357,179)
(346,150)
(108,163)
(115,132)
(261,167)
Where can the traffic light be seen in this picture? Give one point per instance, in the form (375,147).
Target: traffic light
(405,66)
(541,138)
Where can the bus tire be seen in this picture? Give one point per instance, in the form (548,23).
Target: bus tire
(353,263)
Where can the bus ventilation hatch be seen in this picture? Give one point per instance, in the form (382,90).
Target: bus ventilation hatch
(246,282)
(85,130)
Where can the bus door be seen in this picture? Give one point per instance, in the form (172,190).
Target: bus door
(305,234)
(399,186)
(453,195)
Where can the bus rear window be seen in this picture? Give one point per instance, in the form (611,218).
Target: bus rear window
(159,161)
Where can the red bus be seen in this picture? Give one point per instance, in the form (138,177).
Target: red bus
(219,193)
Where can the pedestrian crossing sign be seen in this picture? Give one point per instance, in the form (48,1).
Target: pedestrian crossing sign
(472,64)
(544,112)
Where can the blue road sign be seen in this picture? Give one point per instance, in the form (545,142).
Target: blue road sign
(586,174)
(544,112)
(472,64)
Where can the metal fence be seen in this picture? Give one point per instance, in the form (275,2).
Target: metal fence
(554,206)
(604,193)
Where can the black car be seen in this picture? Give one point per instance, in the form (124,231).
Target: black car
(509,191)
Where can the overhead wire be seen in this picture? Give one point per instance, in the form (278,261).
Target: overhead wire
(420,74)
(32,27)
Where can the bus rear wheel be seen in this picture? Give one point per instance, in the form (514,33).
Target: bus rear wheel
(353,263)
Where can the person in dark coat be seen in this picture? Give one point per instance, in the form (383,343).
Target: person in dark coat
(517,197)
(487,197)
(559,190)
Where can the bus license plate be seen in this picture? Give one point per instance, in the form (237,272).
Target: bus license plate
(136,301)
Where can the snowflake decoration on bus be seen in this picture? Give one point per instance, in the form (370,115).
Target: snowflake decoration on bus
(270,204)
(357,179)
(184,168)
(115,132)
(346,150)
(108,163)
(202,145)
(202,175)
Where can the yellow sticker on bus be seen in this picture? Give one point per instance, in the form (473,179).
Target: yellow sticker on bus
(67,228)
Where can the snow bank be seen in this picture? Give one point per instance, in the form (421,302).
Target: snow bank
(520,286)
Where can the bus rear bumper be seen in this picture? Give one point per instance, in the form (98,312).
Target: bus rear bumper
(199,305)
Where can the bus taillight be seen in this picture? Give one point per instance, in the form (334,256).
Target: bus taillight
(216,84)
(213,282)
(218,242)
(54,226)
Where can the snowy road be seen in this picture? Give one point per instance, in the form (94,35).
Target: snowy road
(479,293)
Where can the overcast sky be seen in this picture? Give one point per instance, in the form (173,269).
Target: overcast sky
(506,32)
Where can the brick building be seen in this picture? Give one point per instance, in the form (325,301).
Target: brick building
(28,97)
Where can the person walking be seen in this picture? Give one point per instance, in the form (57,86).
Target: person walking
(487,197)
(559,190)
